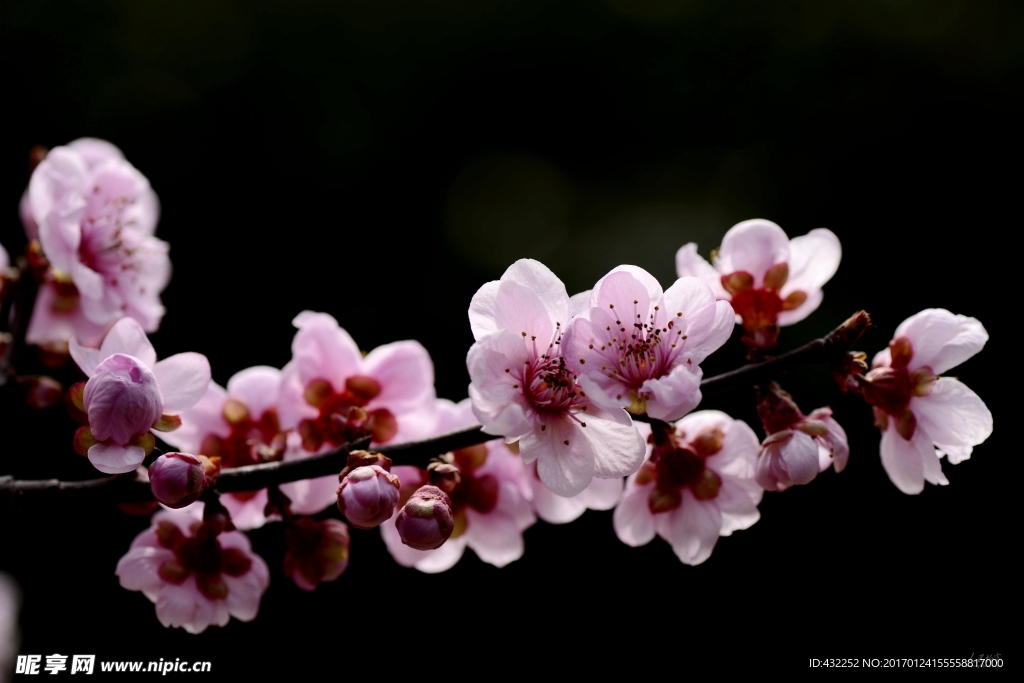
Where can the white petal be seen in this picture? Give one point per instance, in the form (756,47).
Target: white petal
(753,246)
(128,337)
(183,379)
(969,339)
(953,414)
(494,537)
(619,290)
(813,260)
(483,311)
(692,529)
(633,519)
(520,310)
(690,263)
(904,460)
(716,335)
(602,494)
(110,458)
(928,332)
(539,279)
(565,457)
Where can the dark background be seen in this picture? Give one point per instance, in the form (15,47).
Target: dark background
(380,161)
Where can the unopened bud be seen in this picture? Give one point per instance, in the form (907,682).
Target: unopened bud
(426,521)
(177,479)
(444,476)
(368,496)
(122,399)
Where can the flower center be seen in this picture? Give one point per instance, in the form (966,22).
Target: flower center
(676,464)
(550,387)
(202,556)
(250,441)
(759,308)
(343,417)
(889,389)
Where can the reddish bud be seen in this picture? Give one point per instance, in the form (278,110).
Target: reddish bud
(444,476)
(368,496)
(426,522)
(177,479)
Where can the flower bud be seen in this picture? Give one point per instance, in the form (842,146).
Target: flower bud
(444,476)
(787,458)
(426,522)
(317,551)
(122,399)
(177,479)
(368,496)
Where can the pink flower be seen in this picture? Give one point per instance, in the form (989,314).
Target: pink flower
(332,394)
(524,389)
(96,216)
(368,496)
(638,348)
(128,392)
(798,446)
(240,425)
(924,417)
(490,504)
(770,279)
(195,578)
(697,485)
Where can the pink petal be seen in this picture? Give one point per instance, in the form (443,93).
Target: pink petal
(928,331)
(813,260)
(206,417)
(556,509)
(183,379)
(737,500)
(969,339)
(444,558)
(810,305)
(311,496)
(602,494)
(138,569)
(483,310)
(624,285)
(323,350)
(674,395)
(953,414)
(632,519)
(538,278)
(522,312)
(496,399)
(111,458)
(495,538)
(904,460)
(95,151)
(245,592)
(691,264)
(715,335)
(257,387)
(405,374)
(692,529)
(565,468)
(247,514)
(48,326)
(618,449)
(127,336)
(753,246)
(578,303)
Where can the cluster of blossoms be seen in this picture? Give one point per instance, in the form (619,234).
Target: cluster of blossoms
(583,402)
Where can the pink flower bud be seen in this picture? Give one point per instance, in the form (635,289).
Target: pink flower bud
(177,479)
(426,521)
(122,399)
(368,496)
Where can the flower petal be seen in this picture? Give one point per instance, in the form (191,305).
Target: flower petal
(674,395)
(813,260)
(904,460)
(953,414)
(494,537)
(633,519)
(127,337)
(692,529)
(752,246)
(538,278)
(483,310)
(111,458)
(565,457)
(183,379)
(690,263)
(257,387)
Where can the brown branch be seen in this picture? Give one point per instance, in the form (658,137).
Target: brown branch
(126,487)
